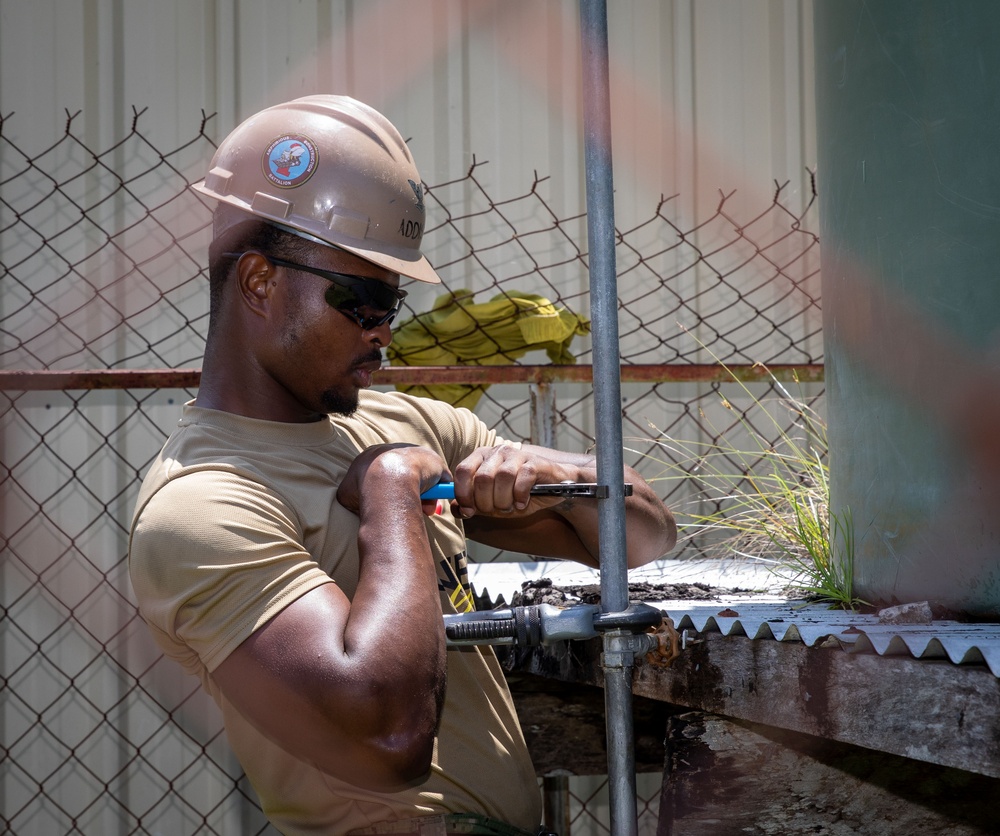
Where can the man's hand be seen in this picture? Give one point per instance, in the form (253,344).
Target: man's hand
(405,462)
(498,480)
(492,495)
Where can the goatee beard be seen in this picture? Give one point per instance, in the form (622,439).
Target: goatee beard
(336,403)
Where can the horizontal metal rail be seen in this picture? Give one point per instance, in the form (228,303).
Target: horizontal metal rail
(50,380)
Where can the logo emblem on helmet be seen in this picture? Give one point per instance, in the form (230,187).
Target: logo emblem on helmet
(418,190)
(290,160)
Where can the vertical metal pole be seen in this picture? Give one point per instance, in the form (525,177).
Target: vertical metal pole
(543,414)
(556,795)
(607,406)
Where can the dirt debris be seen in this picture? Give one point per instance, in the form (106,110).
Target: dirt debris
(543,591)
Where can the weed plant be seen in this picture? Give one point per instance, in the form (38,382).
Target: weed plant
(772,497)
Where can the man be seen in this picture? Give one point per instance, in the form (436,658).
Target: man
(280,549)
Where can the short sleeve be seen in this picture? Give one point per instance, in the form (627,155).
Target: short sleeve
(213,556)
(453,431)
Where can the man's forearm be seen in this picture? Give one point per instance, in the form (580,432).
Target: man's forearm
(569,528)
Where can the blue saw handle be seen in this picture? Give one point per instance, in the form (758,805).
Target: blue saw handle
(442,490)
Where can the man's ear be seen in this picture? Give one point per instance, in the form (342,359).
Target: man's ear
(255,281)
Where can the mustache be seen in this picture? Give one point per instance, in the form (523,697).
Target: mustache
(373,356)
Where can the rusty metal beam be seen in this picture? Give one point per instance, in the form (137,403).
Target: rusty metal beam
(47,380)
(52,381)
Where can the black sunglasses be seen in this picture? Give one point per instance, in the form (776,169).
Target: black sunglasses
(348,294)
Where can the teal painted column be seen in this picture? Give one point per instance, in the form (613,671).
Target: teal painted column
(908,111)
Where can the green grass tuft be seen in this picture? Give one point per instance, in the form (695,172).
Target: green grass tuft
(773,497)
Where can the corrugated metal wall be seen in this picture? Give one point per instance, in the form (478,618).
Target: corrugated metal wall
(708,94)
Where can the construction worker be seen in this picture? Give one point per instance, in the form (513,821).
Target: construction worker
(280,549)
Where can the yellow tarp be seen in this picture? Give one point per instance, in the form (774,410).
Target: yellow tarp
(457,331)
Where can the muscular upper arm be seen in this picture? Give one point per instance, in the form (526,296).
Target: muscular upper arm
(295,681)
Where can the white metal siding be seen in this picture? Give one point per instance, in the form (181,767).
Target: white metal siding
(709,94)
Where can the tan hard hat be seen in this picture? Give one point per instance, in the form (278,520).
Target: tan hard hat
(331,169)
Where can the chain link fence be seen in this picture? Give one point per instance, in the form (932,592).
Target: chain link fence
(103,314)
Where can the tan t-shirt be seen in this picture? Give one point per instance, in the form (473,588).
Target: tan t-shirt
(237,518)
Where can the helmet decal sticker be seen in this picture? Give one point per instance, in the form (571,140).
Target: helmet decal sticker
(418,190)
(290,160)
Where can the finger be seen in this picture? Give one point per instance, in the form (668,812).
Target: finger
(528,475)
(465,503)
(515,475)
(493,484)
(432,507)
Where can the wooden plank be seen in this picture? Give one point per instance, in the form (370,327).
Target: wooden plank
(930,711)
